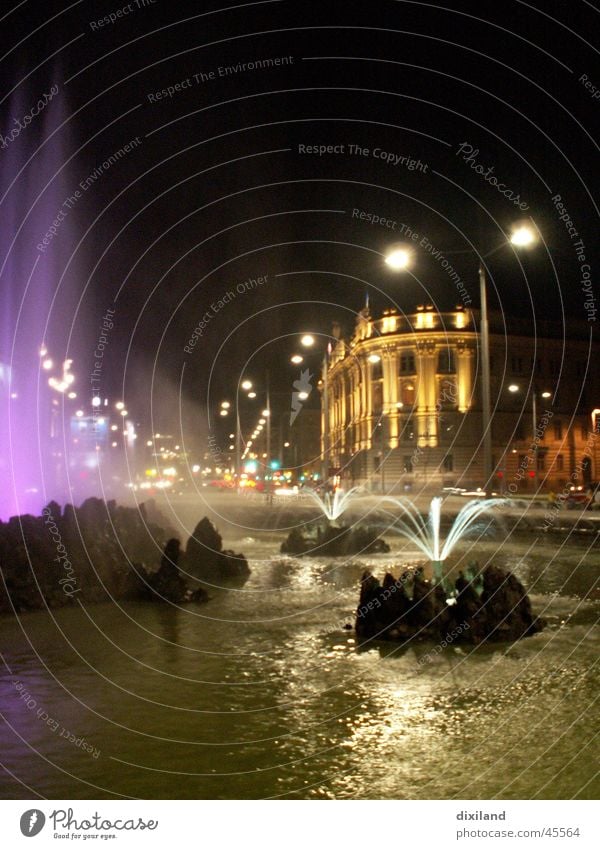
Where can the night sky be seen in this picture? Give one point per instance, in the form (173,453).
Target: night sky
(220,185)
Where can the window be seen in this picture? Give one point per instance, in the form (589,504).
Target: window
(541,461)
(558,430)
(408,463)
(407,393)
(446,362)
(536,365)
(448,463)
(407,363)
(447,393)
(560,463)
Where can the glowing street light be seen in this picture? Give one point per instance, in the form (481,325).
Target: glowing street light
(47,364)
(225,405)
(307,340)
(398,259)
(513,388)
(374,358)
(297,359)
(119,405)
(266,413)
(246,385)
(96,401)
(523,236)
(251,394)
(224,412)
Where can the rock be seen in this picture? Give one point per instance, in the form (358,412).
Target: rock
(206,560)
(97,552)
(334,541)
(502,612)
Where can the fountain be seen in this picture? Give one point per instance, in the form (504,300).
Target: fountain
(425,533)
(38,290)
(332,506)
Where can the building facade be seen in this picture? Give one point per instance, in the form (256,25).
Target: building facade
(402,403)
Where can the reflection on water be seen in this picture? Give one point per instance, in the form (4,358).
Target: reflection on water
(263,693)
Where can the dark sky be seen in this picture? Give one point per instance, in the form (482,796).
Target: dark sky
(217,190)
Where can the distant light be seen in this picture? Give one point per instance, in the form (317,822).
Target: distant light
(96,401)
(114,444)
(149,443)
(262,421)
(72,395)
(232,435)
(177,447)
(47,364)
(123,413)
(101,421)
(513,387)
(286,444)
(307,340)
(113,427)
(546,394)
(43,351)
(119,405)
(231,447)
(195,469)
(374,358)
(266,413)
(225,405)
(251,394)
(249,443)
(399,405)
(79,413)
(224,412)
(522,236)
(157,435)
(302,396)
(296,359)
(246,385)
(398,259)
(13,395)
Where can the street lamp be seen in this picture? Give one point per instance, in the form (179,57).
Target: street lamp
(398,258)
(522,235)
(515,388)
(308,340)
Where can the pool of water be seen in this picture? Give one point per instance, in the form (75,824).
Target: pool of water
(262,693)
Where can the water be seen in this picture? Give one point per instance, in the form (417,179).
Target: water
(262,693)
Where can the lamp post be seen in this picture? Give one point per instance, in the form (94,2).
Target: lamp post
(595,414)
(534,446)
(399,258)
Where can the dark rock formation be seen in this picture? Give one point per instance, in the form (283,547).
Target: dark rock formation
(501,612)
(333,541)
(207,560)
(97,552)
